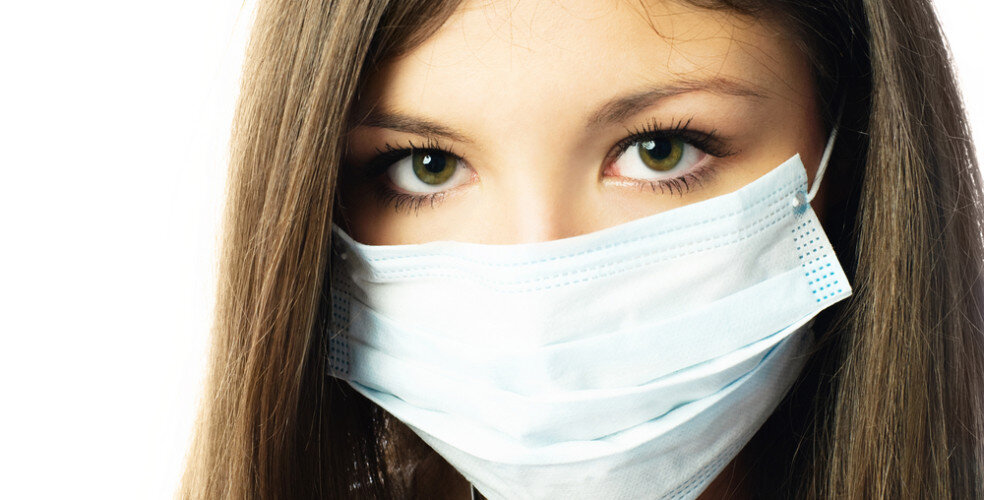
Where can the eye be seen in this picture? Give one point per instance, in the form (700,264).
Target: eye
(657,158)
(425,171)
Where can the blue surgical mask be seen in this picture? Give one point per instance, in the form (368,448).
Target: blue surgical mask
(631,362)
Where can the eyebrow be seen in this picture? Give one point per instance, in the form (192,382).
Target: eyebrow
(626,105)
(612,111)
(402,122)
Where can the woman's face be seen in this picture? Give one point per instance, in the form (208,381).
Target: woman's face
(540,120)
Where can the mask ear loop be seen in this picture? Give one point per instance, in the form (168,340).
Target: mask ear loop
(824,160)
(802,199)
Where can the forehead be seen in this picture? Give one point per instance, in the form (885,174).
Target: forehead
(502,60)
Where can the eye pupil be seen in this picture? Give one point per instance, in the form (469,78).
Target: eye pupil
(433,167)
(658,150)
(661,154)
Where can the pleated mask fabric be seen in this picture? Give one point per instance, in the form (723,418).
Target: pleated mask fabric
(631,362)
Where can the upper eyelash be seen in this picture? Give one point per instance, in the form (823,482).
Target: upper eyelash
(390,153)
(707,142)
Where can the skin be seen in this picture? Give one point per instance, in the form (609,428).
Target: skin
(518,83)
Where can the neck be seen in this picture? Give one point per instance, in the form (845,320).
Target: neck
(732,483)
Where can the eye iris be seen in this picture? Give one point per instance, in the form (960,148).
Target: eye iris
(433,168)
(661,154)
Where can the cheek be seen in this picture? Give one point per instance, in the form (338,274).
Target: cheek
(363,212)
(359,212)
(349,208)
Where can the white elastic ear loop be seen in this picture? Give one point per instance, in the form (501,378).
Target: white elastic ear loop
(823,164)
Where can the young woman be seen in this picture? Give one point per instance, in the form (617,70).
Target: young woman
(571,248)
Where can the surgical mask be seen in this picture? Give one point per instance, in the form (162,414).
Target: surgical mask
(631,362)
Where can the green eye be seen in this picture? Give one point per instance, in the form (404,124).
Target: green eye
(661,154)
(433,167)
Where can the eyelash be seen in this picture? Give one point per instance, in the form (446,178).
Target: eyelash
(707,142)
(385,157)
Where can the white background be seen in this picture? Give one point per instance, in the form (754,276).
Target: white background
(114,117)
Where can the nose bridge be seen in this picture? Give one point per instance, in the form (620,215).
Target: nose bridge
(542,197)
(542,185)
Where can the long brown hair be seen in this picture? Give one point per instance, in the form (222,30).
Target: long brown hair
(891,404)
